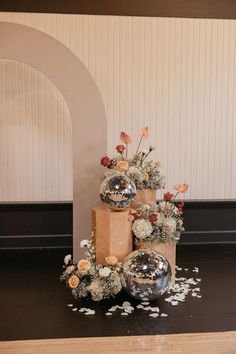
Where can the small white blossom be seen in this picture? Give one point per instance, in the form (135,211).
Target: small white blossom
(84,243)
(104,272)
(67,259)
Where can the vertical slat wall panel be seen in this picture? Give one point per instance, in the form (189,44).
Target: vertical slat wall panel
(35,137)
(175,75)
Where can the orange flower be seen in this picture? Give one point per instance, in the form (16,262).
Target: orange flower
(125,138)
(111,260)
(105,161)
(181,188)
(122,165)
(73,281)
(120,148)
(144,132)
(168,196)
(83,265)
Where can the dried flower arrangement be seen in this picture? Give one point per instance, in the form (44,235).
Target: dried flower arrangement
(159,222)
(143,172)
(89,279)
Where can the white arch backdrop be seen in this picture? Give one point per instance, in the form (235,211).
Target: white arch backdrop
(46,54)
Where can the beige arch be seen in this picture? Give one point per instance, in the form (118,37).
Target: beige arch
(46,54)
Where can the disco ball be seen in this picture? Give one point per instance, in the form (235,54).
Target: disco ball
(146,274)
(117,191)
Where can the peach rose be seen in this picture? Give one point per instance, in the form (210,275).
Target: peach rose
(69,269)
(84,265)
(73,281)
(122,165)
(111,260)
(181,188)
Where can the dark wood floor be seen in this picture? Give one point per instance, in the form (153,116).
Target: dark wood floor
(33,300)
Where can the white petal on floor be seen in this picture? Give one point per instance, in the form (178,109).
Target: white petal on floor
(124,314)
(139,306)
(174,303)
(155,309)
(70,305)
(163,314)
(90,312)
(108,314)
(148,308)
(154,315)
(145,303)
(74,309)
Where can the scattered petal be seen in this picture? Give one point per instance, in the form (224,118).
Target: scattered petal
(139,306)
(174,303)
(74,309)
(148,308)
(163,314)
(155,309)
(154,315)
(90,312)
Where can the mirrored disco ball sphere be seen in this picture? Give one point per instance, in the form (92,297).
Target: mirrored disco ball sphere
(117,191)
(147,274)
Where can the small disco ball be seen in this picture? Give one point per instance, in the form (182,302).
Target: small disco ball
(146,274)
(117,191)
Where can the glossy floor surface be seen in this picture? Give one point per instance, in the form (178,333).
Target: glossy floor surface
(33,302)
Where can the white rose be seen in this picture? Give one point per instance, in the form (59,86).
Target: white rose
(142,228)
(169,225)
(84,243)
(67,259)
(104,272)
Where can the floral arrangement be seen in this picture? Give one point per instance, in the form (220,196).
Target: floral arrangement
(143,172)
(159,222)
(89,279)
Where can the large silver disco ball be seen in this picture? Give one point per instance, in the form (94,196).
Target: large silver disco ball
(117,191)
(146,274)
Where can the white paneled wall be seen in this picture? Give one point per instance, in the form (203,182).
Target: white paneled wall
(175,75)
(35,137)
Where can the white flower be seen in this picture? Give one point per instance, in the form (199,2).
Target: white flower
(135,173)
(169,225)
(67,259)
(142,228)
(104,272)
(84,243)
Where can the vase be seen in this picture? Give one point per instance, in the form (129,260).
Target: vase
(166,249)
(144,196)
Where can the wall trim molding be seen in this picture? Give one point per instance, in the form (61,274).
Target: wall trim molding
(225,9)
(49,225)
